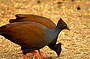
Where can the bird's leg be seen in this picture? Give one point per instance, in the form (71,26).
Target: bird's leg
(25,56)
(41,54)
(34,54)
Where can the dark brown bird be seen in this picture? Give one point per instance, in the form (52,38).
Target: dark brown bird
(42,20)
(27,33)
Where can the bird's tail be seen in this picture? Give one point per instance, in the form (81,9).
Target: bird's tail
(11,20)
(1,30)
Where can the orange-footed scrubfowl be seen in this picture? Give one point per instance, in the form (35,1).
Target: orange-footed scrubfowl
(38,19)
(32,36)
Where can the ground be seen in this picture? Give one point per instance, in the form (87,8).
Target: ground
(76,13)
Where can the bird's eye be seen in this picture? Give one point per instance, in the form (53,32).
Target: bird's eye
(65,25)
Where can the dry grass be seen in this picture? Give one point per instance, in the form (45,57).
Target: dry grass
(75,43)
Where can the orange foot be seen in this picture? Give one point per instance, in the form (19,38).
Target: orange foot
(25,56)
(41,54)
(34,54)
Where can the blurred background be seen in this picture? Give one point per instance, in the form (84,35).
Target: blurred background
(76,13)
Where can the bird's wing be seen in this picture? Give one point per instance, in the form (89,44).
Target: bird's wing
(29,34)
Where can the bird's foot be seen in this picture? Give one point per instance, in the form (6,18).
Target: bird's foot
(24,56)
(34,54)
(41,54)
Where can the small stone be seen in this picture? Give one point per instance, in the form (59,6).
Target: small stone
(38,1)
(72,0)
(59,2)
(78,8)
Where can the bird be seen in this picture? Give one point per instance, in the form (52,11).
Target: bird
(42,20)
(31,35)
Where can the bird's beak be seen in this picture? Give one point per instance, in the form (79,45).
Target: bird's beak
(58,54)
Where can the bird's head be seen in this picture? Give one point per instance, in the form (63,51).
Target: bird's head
(62,25)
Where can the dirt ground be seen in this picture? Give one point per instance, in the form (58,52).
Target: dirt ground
(76,13)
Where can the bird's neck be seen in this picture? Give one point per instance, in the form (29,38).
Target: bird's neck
(53,47)
(54,33)
(57,30)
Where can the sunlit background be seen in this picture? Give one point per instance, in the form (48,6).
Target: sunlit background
(76,13)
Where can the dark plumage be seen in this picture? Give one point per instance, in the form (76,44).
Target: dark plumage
(34,18)
(31,35)
(42,20)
